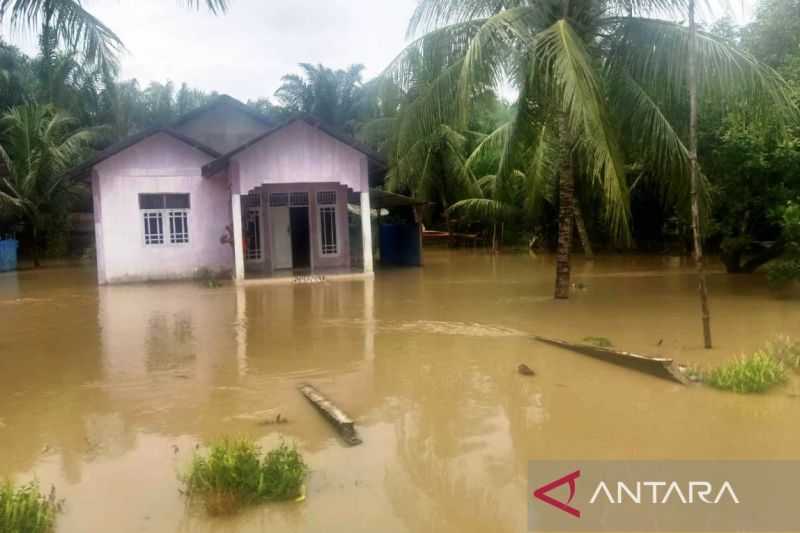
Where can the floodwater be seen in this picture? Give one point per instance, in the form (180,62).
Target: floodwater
(104,392)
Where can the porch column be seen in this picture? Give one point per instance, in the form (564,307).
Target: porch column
(366,231)
(238,243)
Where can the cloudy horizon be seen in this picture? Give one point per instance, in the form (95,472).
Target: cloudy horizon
(246,51)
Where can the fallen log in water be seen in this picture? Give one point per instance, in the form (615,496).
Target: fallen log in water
(343,424)
(662,367)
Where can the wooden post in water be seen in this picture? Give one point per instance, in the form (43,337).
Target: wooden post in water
(694,172)
(343,423)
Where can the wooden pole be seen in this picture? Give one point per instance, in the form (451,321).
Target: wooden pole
(695,178)
(343,423)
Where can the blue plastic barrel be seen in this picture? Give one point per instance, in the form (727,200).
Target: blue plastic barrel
(8,255)
(400,245)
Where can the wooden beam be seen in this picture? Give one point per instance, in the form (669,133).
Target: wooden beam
(343,423)
(662,367)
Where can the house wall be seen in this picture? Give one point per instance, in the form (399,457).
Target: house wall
(159,164)
(318,261)
(298,153)
(223,128)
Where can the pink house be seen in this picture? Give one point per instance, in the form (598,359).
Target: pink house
(222,189)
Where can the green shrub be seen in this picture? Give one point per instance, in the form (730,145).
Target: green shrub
(755,373)
(783,272)
(26,510)
(237,473)
(787,269)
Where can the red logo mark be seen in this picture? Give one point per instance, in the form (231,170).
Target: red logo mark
(541,493)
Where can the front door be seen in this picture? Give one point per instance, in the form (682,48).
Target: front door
(281,237)
(301,246)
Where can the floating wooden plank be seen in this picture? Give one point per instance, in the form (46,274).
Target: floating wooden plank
(343,423)
(662,367)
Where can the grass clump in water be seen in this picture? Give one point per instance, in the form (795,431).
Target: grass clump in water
(756,373)
(26,510)
(785,350)
(236,472)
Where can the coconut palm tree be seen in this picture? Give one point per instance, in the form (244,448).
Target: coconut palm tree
(333,96)
(37,145)
(598,78)
(71,24)
(428,163)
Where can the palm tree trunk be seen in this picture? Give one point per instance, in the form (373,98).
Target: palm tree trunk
(566,212)
(582,233)
(695,177)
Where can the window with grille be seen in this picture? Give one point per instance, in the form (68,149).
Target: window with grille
(326,198)
(178,227)
(153,227)
(279,199)
(251,200)
(166,218)
(299,199)
(327,226)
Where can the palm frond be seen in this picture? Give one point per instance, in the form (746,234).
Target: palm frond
(496,142)
(484,209)
(654,53)
(562,60)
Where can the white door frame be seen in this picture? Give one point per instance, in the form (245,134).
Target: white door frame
(282,261)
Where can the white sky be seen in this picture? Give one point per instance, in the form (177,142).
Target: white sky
(245,52)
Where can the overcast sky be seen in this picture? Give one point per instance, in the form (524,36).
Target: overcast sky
(245,52)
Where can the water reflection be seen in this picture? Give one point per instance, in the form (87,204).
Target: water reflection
(106,391)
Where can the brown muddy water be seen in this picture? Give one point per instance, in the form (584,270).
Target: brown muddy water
(104,392)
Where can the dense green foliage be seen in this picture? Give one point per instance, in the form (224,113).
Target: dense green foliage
(26,510)
(235,473)
(754,165)
(760,371)
(787,268)
(39,145)
(629,90)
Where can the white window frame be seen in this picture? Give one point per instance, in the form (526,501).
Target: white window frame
(147,214)
(183,235)
(166,215)
(328,207)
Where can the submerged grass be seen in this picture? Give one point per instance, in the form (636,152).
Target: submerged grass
(756,373)
(785,350)
(600,342)
(26,510)
(236,472)
(760,371)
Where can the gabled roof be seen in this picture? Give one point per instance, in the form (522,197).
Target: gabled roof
(83,169)
(219,101)
(221,163)
(377,162)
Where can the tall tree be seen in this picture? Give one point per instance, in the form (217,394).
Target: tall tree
(429,164)
(333,96)
(694,172)
(599,75)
